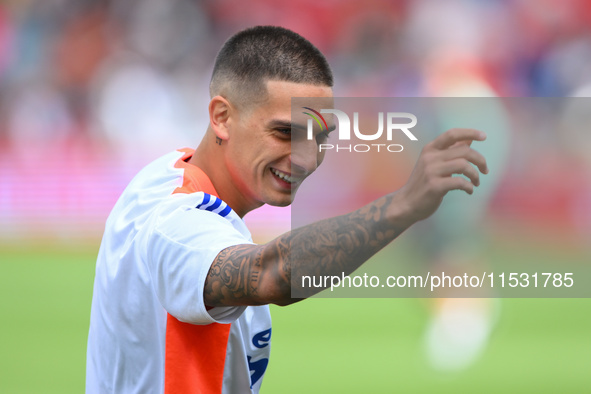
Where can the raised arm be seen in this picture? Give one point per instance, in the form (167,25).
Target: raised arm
(262,274)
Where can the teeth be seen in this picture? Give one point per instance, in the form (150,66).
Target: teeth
(283,176)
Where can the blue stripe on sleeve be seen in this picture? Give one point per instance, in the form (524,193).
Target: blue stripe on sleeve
(206,198)
(215,205)
(225,211)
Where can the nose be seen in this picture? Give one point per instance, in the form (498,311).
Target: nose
(305,157)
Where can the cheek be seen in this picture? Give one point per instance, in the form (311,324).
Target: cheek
(320,157)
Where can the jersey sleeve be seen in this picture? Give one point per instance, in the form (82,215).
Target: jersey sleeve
(181,247)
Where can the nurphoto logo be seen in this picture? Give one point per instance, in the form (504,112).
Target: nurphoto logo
(395,122)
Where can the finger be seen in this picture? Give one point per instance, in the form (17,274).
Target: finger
(452,136)
(456,183)
(461,143)
(462,167)
(463,152)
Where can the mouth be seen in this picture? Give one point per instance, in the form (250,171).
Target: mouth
(285,177)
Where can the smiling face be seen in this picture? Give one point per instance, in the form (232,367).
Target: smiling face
(259,157)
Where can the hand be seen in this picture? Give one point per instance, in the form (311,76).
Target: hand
(431,179)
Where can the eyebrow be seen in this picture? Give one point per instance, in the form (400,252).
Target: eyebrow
(276,123)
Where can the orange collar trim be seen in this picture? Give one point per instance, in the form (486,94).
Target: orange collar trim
(194,179)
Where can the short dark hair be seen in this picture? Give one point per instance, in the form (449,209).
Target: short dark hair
(261,53)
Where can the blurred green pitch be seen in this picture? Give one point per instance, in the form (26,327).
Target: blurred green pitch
(319,346)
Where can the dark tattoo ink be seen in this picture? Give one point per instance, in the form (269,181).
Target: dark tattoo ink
(329,247)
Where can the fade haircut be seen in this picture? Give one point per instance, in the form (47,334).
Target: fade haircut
(261,53)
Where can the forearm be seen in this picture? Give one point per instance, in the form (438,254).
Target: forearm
(251,275)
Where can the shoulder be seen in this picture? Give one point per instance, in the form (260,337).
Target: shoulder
(194,217)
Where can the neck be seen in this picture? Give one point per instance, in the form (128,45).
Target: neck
(209,157)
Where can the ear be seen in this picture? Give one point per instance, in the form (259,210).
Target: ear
(219,115)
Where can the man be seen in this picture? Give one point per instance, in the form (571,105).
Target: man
(181,292)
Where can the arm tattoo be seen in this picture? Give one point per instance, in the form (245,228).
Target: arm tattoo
(260,274)
(234,274)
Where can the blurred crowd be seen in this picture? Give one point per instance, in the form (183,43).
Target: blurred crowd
(131,76)
(98,67)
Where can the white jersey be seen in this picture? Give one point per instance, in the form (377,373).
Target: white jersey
(150,331)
